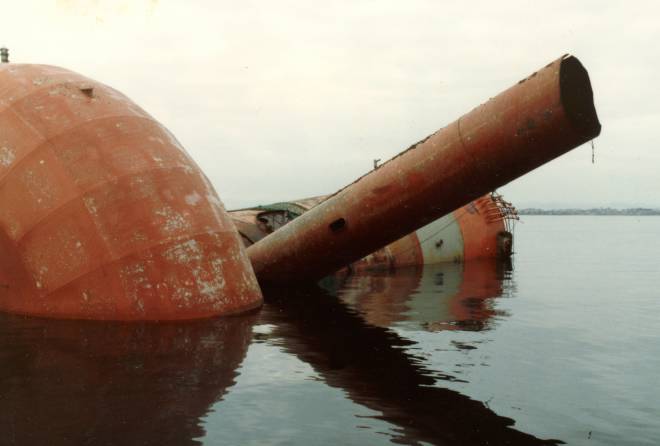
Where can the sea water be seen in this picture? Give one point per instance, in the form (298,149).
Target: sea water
(559,345)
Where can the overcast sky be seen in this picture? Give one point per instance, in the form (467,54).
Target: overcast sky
(287,99)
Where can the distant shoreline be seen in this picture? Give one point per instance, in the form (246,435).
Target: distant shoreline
(593,211)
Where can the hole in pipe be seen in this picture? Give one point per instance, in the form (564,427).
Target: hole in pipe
(337,225)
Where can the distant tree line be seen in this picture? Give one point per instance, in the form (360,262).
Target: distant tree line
(592,211)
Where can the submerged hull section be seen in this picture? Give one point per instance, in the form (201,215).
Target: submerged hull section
(103,215)
(481,229)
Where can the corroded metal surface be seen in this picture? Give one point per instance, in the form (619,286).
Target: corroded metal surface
(103,215)
(257,222)
(531,123)
(473,231)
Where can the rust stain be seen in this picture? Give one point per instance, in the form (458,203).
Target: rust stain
(448,169)
(103,214)
(483,225)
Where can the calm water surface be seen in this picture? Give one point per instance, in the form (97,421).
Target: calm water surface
(560,346)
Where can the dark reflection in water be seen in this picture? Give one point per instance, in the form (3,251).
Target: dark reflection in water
(436,297)
(74,383)
(347,343)
(372,358)
(67,382)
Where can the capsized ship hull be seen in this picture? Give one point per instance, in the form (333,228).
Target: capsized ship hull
(481,229)
(103,215)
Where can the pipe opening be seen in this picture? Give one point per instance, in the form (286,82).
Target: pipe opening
(337,225)
(577,97)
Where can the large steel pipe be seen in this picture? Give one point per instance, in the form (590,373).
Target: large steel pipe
(524,127)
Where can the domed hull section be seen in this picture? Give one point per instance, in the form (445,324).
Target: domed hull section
(103,215)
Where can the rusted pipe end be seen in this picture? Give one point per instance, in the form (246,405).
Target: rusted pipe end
(577,96)
(542,117)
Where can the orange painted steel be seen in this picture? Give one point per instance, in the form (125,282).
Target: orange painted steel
(103,215)
(469,233)
(481,230)
(531,123)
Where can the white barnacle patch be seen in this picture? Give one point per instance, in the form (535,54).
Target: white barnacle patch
(184,253)
(174,221)
(182,295)
(59,90)
(210,283)
(133,269)
(193,199)
(38,186)
(135,279)
(157,139)
(90,204)
(7,156)
(39,275)
(13,230)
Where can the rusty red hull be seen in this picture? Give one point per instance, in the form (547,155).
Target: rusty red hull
(479,230)
(533,122)
(103,215)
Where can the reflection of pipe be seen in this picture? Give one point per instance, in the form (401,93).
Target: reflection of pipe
(370,364)
(72,382)
(524,127)
(446,296)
